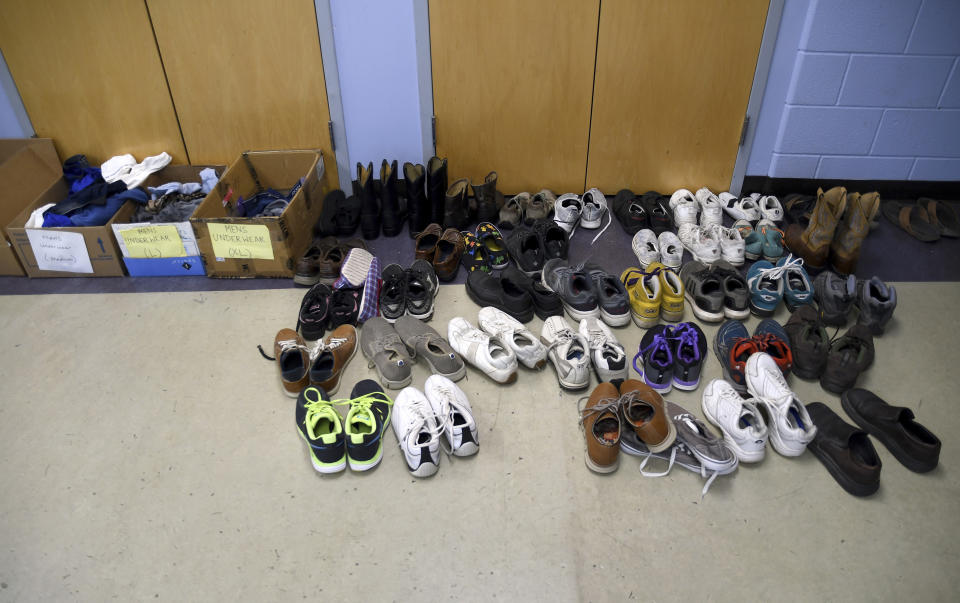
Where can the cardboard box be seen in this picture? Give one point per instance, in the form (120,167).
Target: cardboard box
(183,261)
(233,247)
(28,166)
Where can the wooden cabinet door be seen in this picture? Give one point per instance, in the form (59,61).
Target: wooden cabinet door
(245,75)
(90,77)
(672,85)
(512,84)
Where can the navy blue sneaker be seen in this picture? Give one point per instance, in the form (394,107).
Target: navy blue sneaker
(689,354)
(367,419)
(766,287)
(772,338)
(320,427)
(656,356)
(733,346)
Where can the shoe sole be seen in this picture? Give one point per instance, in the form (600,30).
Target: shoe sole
(763,312)
(306,281)
(700,312)
(644,322)
(615,320)
(599,468)
(425,470)
(579,315)
(895,449)
(454,376)
(737,314)
(325,469)
(667,441)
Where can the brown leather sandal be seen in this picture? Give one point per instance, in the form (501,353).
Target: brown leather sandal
(426,242)
(912,218)
(942,215)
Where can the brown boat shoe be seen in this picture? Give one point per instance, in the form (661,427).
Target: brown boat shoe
(645,411)
(331,356)
(292,361)
(600,418)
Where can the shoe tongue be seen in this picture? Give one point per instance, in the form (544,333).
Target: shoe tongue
(365,419)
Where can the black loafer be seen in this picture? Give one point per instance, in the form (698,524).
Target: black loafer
(546,303)
(501,293)
(845,451)
(910,442)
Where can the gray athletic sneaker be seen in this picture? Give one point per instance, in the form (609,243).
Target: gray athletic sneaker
(383,348)
(429,345)
(574,286)
(612,296)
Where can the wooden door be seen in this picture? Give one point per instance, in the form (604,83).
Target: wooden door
(512,84)
(90,77)
(672,84)
(245,75)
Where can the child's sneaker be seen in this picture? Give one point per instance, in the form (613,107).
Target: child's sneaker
(492,241)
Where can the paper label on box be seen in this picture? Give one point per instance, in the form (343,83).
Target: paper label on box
(153,242)
(59,250)
(246,241)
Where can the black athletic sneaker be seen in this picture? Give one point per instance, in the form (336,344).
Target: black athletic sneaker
(656,355)
(689,347)
(834,296)
(574,286)
(393,293)
(525,249)
(703,290)
(344,307)
(808,343)
(849,356)
(422,287)
(553,239)
(876,301)
(503,293)
(321,428)
(612,296)
(314,312)
(736,293)
(367,419)
(546,303)
(658,211)
(630,212)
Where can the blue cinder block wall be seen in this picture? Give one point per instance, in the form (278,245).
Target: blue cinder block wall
(863,90)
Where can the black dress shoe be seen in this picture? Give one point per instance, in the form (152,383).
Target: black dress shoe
(910,442)
(501,293)
(546,303)
(845,451)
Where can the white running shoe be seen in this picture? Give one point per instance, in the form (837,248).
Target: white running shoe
(594,207)
(456,416)
(770,208)
(607,355)
(740,209)
(529,350)
(671,249)
(732,247)
(700,242)
(711,210)
(739,420)
(486,353)
(684,206)
(567,210)
(791,428)
(646,247)
(568,351)
(418,429)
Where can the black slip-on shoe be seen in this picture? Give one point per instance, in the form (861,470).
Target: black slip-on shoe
(845,451)
(910,442)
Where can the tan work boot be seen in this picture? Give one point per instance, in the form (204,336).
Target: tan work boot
(813,242)
(845,249)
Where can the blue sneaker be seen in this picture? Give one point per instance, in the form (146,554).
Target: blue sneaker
(766,287)
(797,287)
(733,346)
(772,238)
(773,339)
(656,356)
(752,240)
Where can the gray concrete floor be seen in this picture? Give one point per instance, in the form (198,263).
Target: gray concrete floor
(146,451)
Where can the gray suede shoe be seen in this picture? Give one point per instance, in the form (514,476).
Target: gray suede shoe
(429,345)
(383,348)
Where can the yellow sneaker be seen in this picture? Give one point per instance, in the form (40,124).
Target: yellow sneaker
(644,290)
(671,287)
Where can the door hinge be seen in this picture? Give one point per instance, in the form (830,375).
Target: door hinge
(743,130)
(333,143)
(433,128)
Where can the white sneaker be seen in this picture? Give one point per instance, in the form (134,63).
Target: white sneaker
(711,210)
(740,209)
(607,355)
(594,208)
(529,350)
(646,247)
(731,244)
(568,351)
(671,249)
(452,406)
(566,212)
(791,428)
(739,420)
(486,353)
(770,208)
(704,246)
(418,428)
(684,206)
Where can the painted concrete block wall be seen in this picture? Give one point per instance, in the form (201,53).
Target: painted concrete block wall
(873,93)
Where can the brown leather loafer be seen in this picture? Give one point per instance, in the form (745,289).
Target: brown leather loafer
(331,356)
(446,260)
(292,361)
(644,410)
(426,243)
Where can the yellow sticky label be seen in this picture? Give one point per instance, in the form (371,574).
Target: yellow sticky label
(246,241)
(153,242)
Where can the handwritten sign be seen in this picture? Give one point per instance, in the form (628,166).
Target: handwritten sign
(153,242)
(59,250)
(246,241)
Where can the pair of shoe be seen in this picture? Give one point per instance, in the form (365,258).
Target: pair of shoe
(393,348)
(526,209)
(571,210)
(381,205)
(514,293)
(324,308)
(713,242)
(769,284)
(588,290)
(790,426)
(339,216)
(927,220)
(672,356)
(743,427)
(442,248)
(651,248)
(608,408)
(322,261)
(461,209)
(485,349)
(408,292)
(422,418)
(425,192)
(572,352)
(334,442)
(752,208)
(838,224)
(484,249)
(654,293)
(715,292)
(835,296)
(638,212)
(734,346)
(836,363)
(764,240)
(322,365)
(686,207)
(532,246)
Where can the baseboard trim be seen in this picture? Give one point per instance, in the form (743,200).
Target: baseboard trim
(891,189)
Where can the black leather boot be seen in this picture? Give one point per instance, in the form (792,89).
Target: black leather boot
(392,208)
(418,206)
(437,188)
(456,212)
(488,200)
(369,202)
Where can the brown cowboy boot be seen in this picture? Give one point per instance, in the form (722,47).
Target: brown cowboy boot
(845,250)
(813,242)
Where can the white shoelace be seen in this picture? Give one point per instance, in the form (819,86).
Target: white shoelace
(777,272)
(424,419)
(334,343)
(673,457)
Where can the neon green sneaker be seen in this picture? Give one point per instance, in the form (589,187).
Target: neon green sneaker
(367,419)
(320,427)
